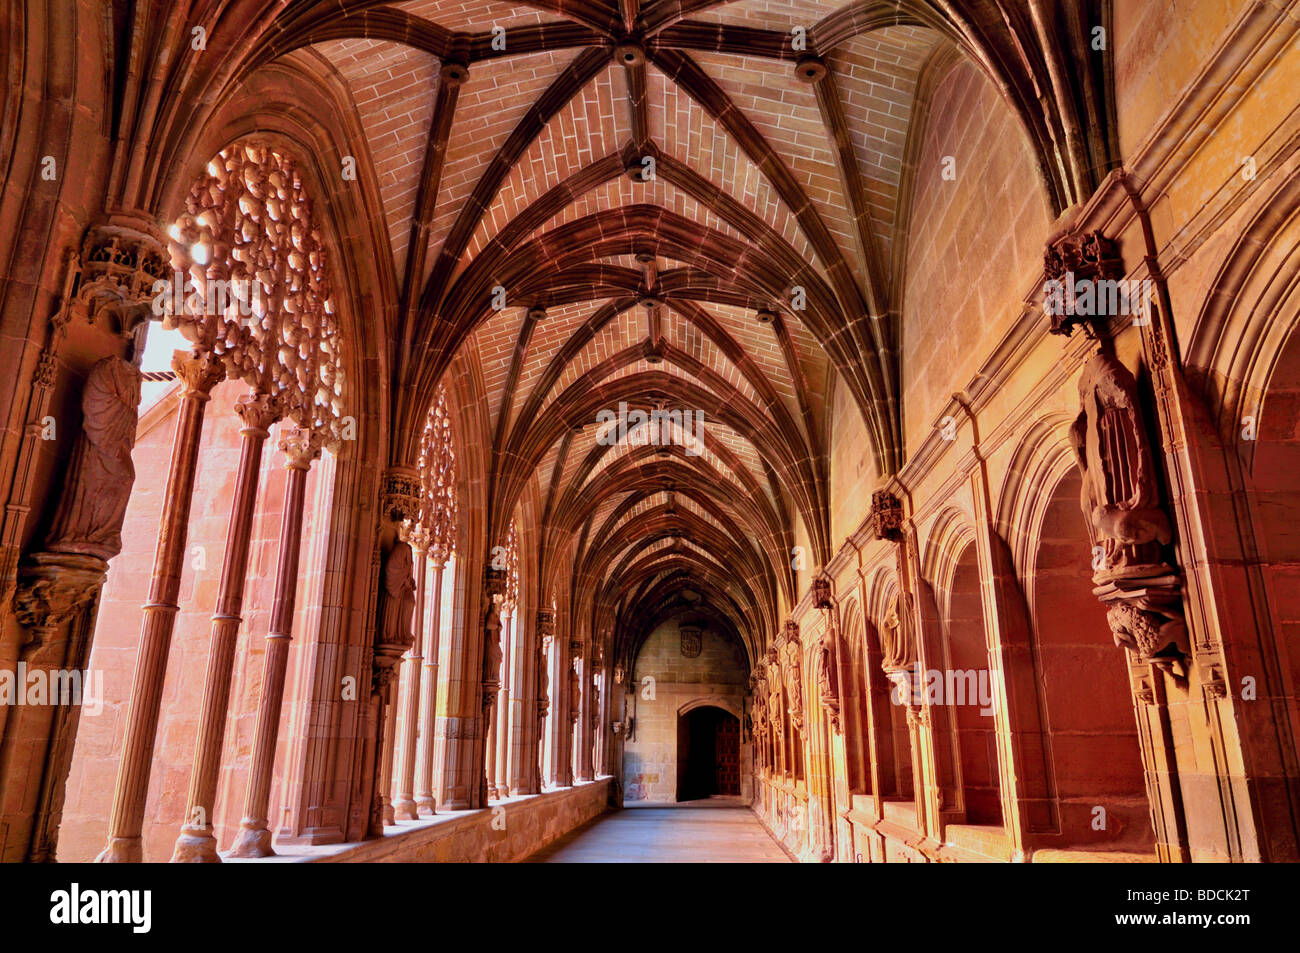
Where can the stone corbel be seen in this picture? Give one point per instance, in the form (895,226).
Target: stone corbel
(52,589)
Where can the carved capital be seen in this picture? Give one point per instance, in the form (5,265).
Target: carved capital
(198,371)
(418,537)
(546,622)
(301,446)
(259,411)
(46,368)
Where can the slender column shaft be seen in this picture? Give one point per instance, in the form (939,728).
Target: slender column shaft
(490,749)
(197,842)
(424,799)
(584,738)
(404,807)
(389,750)
(502,774)
(254,839)
(200,374)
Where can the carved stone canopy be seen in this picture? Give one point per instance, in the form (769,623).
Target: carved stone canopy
(494,584)
(792,631)
(886,516)
(1090,256)
(120,263)
(401,494)
(821,590)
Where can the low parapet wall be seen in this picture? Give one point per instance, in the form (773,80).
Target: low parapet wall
(503,833)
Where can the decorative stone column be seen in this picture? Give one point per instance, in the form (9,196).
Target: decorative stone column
(388,748)
(490,674)
(393,637)
(545,636)
(425,801)
(197,842)
(500,782)
(404,806)
(199,372)
(577,707)
(301,448)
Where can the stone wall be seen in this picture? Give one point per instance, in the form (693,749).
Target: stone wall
(715,677)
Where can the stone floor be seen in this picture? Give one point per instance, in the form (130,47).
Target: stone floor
(704,833)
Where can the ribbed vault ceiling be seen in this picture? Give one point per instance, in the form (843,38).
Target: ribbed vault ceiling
(510,143)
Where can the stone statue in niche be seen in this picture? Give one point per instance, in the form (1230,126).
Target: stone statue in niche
(492,647)
(828,675)
(1120,499)
(895,644)
(397,601)
(575,692)
(543,677)
(89,517)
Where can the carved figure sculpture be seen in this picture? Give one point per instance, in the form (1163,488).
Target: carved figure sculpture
(89,518)
(828,675)
(397,601)
(897,652)
(1120,497)
(575,692)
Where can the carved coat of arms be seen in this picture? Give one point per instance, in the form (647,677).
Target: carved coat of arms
(691,643)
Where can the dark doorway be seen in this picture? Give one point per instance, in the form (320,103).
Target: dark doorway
(708,754)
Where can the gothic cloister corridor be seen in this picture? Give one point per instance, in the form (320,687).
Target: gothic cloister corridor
(648,432)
